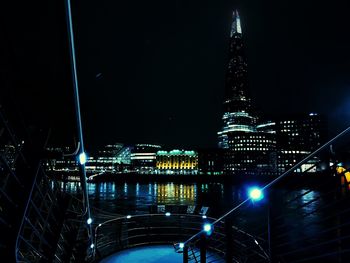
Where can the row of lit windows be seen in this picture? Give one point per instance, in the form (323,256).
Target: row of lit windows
(175,168)
(251,149)
(251,144)
(255,141)
(251,137)
(302,152)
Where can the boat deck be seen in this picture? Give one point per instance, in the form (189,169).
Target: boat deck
(149,254)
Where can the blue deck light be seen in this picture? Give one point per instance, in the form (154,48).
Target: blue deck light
(256,194)
(208,228)
(82,158)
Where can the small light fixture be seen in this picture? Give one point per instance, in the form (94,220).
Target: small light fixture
(128,216)
(167,214)
(208,228)
(89,221)
(181,245)
(82,158)
(256,194)
(92,245)
(204,216)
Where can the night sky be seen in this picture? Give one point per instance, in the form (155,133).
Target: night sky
(153,71)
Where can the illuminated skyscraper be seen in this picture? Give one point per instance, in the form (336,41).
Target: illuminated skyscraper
(248,149)
(238,113)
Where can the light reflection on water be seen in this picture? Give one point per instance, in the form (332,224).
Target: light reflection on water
(135,198)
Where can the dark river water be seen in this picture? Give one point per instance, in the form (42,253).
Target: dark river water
(299,217)
(135,198)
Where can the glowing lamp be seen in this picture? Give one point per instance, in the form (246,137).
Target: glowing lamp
(207,228)
(89,221)
(167,214)
(92,245)
(82,158)
(128,216)
(181,245)
(256,194)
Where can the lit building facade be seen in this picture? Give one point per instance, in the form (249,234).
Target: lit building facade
(113,158)
(211,161)
(251,154)
(104,160)
(143,158)
(297,137)
(177,162)
(249,148)
(60,164)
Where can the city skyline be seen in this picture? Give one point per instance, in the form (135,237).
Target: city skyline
(156,74)
(110,123)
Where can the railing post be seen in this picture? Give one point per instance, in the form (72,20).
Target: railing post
(185,254)
(269,230)
(229,239)
(203,248)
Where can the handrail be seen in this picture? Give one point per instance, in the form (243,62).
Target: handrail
(78,117)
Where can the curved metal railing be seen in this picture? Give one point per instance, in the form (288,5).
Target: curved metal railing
(150,229)
(129,231)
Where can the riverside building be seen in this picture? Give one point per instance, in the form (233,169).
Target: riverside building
(177,162)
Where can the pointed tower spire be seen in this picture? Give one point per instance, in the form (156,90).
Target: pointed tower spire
(236,24)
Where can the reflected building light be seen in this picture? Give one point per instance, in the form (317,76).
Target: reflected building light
(149,189)
(181,191)
(91,188)
(125,188)
(137,189)
(308,201)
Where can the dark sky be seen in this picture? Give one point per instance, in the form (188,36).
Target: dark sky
(153,71)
